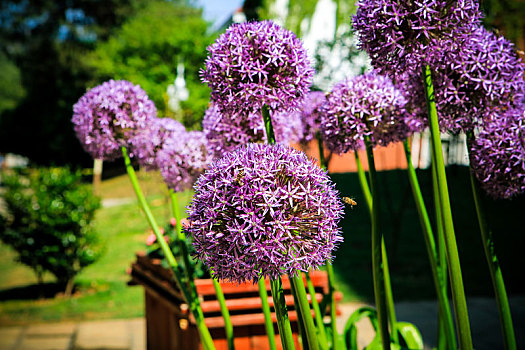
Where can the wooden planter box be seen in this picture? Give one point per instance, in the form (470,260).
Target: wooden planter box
(170,325)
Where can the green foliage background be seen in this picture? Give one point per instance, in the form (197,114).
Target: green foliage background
(147,49)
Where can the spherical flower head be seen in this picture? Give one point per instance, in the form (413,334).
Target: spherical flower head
(497,155)
(254,64)
(310,113)
(183,158)
(484,78)
(399,34)
(225,132)
(145,144)
(108,115)
(264,211)
(367,105)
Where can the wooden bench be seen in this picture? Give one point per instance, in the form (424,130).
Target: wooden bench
(170,325)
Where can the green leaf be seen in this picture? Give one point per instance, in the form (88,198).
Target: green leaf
(350,331)
(410,335)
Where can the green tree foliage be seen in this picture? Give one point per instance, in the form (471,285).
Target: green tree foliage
(47,221)
(48,40)
(147,49)
(11,90)
(508,16)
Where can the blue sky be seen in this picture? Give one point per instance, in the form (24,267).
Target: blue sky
(217,11)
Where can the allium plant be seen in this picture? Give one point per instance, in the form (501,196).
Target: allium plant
(264,211)
(400,34)
(366,105)
(310,113)
(497,155)
(145,144)
(108,115)
(254,64)
(225,132)
(483,78)
(183,158)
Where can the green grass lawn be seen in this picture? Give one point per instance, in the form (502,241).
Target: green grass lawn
(102,291)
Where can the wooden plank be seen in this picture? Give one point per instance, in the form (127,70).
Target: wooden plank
(247,303)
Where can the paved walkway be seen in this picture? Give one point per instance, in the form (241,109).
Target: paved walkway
(130,334)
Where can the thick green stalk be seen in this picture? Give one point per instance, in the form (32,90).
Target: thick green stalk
(386,271)
(437,274)
(268,323)
(329,270)
(191,298)
(314,342)
(304,340)
(456,279)
(281,312)
(496,275)
(189,270)
(377,266)
(228,326)
(317,311)
(279,302)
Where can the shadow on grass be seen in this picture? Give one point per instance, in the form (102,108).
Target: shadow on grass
(410,270)
(46,290)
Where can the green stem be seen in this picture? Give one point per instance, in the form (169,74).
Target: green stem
(305,341)
(329,269)
(228,326)
(281,312)
(268,125)
(268,323)
(456,279)
(494,267)
(437,273)
(333,309)
(389,295)
(306,313)
(377,237)
(317,311)
(192,299)
(181,238)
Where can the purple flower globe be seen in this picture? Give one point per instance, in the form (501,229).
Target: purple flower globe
(110,114)
(264,211)
(367,105)
(400,34)
(484,78)
(183,158)
(225,132)
(310,112)
(497,155)
(145,144)
(254,64)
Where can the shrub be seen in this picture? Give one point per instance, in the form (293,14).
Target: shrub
(47,221)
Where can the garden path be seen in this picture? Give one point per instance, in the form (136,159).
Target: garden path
(130,334)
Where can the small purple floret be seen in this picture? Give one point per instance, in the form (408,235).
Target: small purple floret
(108,115)
(264,211)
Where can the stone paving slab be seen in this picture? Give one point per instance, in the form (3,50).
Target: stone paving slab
(51,329)
(107,335)
(9,337)
(46,343)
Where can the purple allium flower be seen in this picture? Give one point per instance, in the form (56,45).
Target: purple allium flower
(146,142)
(106,116)
(225,132)
(484,78)
(399,34)
(254,64)
(497,155)
(263,211)
(310,112)
(183,158)
(365,105)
